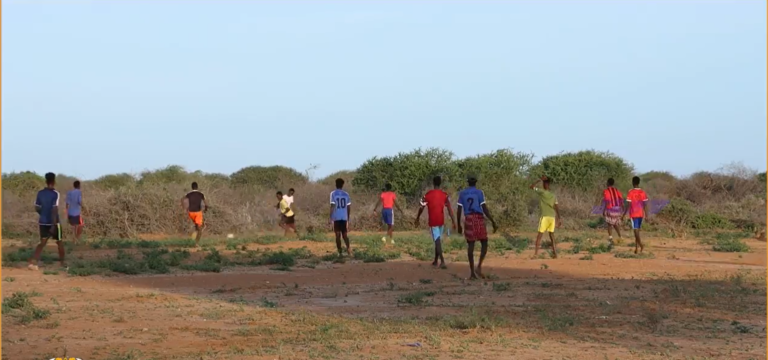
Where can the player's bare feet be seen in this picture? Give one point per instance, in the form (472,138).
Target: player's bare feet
(479,273)
(442,266)
(434,264)
(349,251)
(473,277)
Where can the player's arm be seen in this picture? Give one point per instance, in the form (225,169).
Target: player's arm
(55,210)
(397,206)
(423,203)
(558,219)
(349,212)
(205,203)
(459,212)
(377,205)
(533,186)
(487,214)
(184,203)
(38,204)
(450,212)
(330,212)
(645,206)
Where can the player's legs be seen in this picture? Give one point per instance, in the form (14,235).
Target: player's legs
(471,258)
(554,247)
(59,244)
(337,226)
(636,224)
(437,232)
(483,252)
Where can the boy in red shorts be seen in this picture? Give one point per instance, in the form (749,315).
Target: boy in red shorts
(472,204)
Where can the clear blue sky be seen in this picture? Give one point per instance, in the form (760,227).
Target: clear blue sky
(97,87)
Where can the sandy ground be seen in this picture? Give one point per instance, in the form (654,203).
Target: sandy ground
(686,303)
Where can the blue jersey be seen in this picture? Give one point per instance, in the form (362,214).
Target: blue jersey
(74,201)
(47,200)
(340,200)
(471,200)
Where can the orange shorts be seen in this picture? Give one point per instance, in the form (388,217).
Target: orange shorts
(197,217)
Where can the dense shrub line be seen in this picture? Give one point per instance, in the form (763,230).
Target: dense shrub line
(127,206)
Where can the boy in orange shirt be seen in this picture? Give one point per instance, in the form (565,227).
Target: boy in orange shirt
(388,201)
(638,208)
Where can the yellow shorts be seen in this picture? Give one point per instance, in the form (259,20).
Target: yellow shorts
(546,224)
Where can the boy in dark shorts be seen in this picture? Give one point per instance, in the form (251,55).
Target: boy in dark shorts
(287,218)
(340,215)
(472,204)
(74,210)
(47,205)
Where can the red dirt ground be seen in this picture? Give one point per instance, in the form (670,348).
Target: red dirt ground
(686,303)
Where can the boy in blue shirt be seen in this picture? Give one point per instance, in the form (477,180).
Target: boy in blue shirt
(74,209)
(340,213)
(47,205)
(472,205)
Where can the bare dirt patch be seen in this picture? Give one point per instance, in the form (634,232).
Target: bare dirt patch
(685,302)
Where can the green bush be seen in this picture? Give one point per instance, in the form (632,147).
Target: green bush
(710,220)
(115,181)
(268,177)
(679,211)
(409,173)
(23,182)
(730,244)
(584,170)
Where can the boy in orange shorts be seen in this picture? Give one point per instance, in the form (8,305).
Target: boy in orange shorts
(195,204)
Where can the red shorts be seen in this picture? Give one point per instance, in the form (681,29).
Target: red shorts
(474,228)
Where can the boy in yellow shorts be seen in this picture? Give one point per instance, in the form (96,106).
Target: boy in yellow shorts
(549,214)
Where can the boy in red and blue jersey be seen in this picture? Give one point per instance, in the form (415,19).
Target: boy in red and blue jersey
(472,204)
(47,205)
(436,200)
(638,209)
(388,201)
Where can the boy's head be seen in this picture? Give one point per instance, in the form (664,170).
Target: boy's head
(279,195)
(387,187)
(636,181)
(436,181)
(545,181)
(610,181)
(290,192)
(472,180)
(339,183)
(76,184)
(50,179)
(194,186)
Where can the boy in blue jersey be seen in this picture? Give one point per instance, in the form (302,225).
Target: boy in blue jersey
(472,204)
(340,214)
(47,205)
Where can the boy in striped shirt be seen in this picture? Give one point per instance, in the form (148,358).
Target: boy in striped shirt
(613,208)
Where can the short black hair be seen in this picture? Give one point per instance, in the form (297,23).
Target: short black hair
(194,186)
(291,189)
(50,178)
(472,181)
(280,193)
(611,181)
(339,183)
(388,186)
(547,181)
(437,180)
(636,181)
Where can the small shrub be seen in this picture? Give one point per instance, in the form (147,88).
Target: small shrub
(204,266)
(505,286)
(631,255)
(710,220)
(416,298)
(267,303)
(730,245)
(586,257)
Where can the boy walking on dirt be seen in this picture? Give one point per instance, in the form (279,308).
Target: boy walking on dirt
(472,204)
(74,204)
(47,206)
(549,214)
(287,220)
(436,200)
(195,204)
(638,209)
(613,210)
(341,211)
(388,201)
